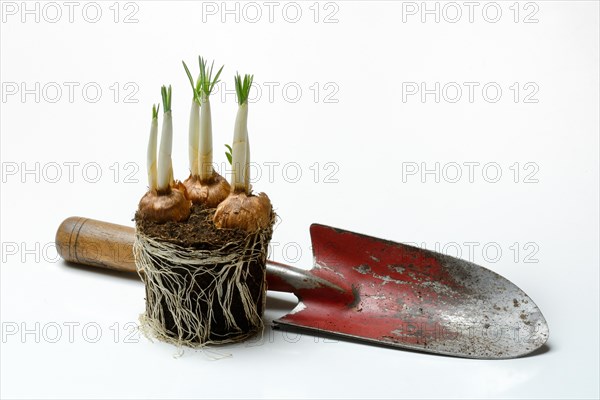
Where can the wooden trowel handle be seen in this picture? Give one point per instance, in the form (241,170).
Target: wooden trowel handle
(96,243)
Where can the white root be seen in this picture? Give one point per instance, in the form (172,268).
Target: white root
(240,150)
(151,155)
(247,174)
(165,164)
(171,272)
(194,135)
(205,148)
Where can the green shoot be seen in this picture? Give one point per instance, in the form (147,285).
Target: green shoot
(166,98)
(196,88)
(243,87)
(206,80)
(228,154)
(155,109)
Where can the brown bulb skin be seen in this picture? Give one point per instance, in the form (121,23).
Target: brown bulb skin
(242,211)
(163,207)
(210,192)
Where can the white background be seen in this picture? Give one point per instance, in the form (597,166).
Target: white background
(372,131)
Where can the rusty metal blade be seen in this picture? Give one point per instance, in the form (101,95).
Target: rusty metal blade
(398,295)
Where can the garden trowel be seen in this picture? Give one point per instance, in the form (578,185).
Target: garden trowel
(369,289)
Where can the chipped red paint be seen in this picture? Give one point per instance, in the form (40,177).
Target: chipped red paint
(385,279)
(395,294)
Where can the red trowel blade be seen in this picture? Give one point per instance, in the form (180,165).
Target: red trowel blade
(398,295)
